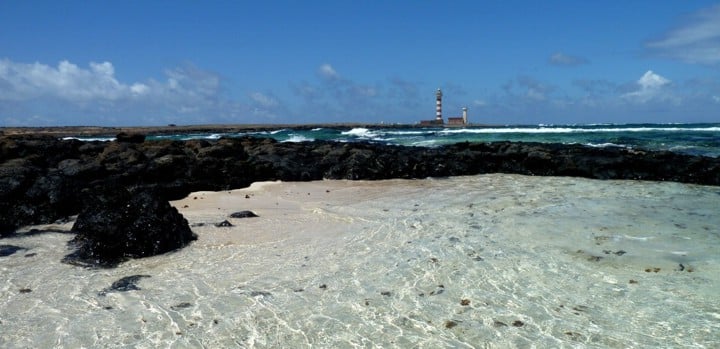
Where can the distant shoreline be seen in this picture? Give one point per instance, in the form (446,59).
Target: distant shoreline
(68,131)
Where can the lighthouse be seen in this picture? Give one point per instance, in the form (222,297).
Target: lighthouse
(451,122)
(438,107)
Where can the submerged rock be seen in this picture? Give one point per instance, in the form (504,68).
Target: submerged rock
(121,224)
(128,283)
(7,250)
(224,224)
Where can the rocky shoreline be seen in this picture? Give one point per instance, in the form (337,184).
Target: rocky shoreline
(44,179)
(108,131)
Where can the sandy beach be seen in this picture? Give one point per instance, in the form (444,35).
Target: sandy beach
(492,261)
(277,204)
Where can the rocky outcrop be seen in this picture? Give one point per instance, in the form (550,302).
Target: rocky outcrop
(40,177)
(130,137)
(117,224)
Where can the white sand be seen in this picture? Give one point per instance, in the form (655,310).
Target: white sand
(286,210)
(538,261)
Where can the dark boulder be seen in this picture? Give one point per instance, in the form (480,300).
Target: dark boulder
(118,224)
(6,250)
(130,137)
(128,283)
(224,224)
(243,214)
(16,176)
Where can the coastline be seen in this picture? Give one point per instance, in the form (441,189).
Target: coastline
(70,131)
(44,179)
(43,174)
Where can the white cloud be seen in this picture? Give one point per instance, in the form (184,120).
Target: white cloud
(326,71)
(67,81)
(562,59)
(71,94)
(696,41)
(650,86)
(263,100)
(652,81)
(139,89)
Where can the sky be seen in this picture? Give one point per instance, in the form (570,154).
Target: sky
(144,63)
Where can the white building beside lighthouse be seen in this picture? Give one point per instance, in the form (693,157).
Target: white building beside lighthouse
(438,121)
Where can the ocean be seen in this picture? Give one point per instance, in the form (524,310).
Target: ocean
(693,139)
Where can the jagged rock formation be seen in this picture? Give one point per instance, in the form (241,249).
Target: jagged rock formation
(116,224)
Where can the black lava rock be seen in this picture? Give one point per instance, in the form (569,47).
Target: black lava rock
(223,224)
(6,250)
(243,214)
(120,224)
(128,283)
(130,138)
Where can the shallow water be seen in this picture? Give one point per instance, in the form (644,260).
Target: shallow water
(483,261)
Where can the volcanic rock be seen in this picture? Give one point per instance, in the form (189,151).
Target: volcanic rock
(6,250)
(128,283)
(243,214)
(130,137)
(120,224)
(224,224)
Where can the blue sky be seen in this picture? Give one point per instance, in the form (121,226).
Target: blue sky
(510,62)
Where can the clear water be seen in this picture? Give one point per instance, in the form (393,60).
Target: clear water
(496,261)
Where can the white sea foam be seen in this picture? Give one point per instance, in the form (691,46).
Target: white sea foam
(606,145)
(576,130)
(426,143)
(294,138)
(90,139)
(405,133)
(360,132)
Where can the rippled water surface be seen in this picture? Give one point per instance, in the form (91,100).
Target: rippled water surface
(482,261)
(692,139)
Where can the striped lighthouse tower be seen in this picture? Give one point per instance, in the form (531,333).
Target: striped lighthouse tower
(438,106)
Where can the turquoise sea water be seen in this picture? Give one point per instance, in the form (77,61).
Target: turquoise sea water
(695,139)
